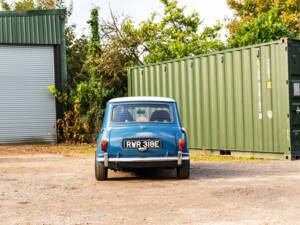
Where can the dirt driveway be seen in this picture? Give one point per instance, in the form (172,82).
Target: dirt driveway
(57,189)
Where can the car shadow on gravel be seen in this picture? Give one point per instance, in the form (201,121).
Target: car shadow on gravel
(145,174)
(201,171)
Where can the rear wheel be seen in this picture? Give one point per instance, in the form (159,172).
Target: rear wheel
(183,171)
(100,171)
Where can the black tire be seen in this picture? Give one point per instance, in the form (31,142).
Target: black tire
(100,171)
(183,171)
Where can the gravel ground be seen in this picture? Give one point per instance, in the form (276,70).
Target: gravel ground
(57,189)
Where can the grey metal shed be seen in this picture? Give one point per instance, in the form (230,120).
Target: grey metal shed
(32,58)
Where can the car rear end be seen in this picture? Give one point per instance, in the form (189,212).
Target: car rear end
(142,134)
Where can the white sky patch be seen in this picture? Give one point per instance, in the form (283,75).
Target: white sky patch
(210,11)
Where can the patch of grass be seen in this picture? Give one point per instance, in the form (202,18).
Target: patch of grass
(77,149)
(68,149)
(52,149)
(197,156)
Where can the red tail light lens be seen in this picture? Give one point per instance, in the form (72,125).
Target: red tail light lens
(103,145)
(181,144)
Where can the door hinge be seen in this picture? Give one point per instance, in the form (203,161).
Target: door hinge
(258,53)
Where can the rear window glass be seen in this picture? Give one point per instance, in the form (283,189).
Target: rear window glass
(142,113)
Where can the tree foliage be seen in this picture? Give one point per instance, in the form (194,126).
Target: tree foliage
(96,73)
(177,35)
(174,36)
(82,97)
(94,48)
(77,50)
(257,21)
(31,4)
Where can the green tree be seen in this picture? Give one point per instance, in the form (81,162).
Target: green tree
(176,35)
(24,5)
(257,21)
(4,5)
(87,90)
(94,48)
(77,50)
(266,27)
(97,90)
(31,4)
(173,36)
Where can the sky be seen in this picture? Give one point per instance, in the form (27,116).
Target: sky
(209,10)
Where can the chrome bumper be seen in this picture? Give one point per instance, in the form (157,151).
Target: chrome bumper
(105,159)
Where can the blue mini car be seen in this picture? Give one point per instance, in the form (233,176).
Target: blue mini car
(142,132)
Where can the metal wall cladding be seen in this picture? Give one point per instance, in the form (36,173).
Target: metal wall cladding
(32,27)
(232,100)
(27,108)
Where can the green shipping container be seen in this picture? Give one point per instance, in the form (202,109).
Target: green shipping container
(244,100)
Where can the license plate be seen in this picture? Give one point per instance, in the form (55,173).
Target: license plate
(142,145)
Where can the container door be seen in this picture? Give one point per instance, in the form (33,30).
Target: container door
(294,70)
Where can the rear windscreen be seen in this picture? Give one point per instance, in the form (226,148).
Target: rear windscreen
(142,113)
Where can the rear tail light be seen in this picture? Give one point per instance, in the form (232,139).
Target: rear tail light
(103,145)
(181,144)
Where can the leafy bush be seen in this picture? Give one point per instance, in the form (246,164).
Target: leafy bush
(257,21)
(266,27)
(85,94)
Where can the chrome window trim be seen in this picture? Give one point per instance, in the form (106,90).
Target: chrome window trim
(142,123)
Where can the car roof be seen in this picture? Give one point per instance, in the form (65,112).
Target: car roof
(141,99)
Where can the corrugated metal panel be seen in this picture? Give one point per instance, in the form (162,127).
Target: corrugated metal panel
(32,27)
(35,27)
(232,100)
(27,108)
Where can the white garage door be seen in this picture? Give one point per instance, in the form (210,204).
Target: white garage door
(27,108)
